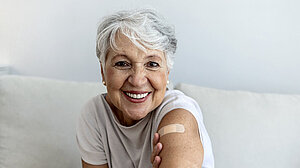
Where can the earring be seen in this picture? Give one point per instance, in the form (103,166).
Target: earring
(168,82)
(104,83)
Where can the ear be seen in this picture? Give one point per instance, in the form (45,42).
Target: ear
(102,72)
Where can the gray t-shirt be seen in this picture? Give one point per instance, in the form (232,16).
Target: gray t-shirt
(102,139)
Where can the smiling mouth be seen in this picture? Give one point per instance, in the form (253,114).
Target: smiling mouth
(137,95)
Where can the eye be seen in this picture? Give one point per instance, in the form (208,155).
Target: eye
(152,65)
(122,65)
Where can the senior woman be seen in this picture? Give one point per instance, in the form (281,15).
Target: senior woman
(139,123)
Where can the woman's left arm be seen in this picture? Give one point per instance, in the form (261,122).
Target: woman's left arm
(181,149)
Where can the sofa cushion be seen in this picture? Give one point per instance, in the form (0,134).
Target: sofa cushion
(250,129)
(38,121)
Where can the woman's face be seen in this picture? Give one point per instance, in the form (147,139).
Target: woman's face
(136,80)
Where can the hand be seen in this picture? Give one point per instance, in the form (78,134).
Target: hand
(157,147)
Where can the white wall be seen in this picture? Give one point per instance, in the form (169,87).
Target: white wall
(229,44)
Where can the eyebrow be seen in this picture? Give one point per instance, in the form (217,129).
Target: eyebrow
(119,55)
(149,56)
(154,56)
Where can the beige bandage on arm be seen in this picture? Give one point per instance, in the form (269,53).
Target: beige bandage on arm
(172,128)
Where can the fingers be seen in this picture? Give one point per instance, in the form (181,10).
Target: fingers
(155,139)
(157,147)
(156,162)
(156,151)
(154,142)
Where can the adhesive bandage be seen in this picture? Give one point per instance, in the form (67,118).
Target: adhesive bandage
(172,128)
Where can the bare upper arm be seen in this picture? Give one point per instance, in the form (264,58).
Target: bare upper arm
(86,165)
(181,149)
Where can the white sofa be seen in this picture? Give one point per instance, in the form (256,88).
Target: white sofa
(38,118)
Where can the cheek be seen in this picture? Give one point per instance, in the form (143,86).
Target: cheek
(159,80)
(114,79)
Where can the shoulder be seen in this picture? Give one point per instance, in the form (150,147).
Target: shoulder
(177,102)
(93,105)
(175,99)
(93,111)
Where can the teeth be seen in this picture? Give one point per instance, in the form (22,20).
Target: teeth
(136,96)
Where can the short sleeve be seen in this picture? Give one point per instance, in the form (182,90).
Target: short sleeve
(174,100)
(89,138)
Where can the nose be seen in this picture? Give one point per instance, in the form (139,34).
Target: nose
(137,77)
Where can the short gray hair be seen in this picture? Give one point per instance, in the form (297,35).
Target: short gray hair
(144,27)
